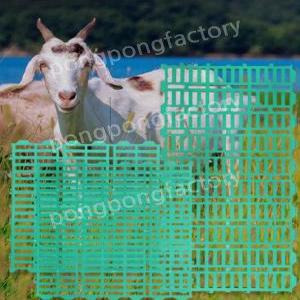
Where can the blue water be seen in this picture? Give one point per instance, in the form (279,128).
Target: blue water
(11,69)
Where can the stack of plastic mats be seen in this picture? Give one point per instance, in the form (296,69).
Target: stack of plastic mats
(210,211)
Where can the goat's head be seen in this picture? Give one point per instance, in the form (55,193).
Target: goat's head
(66,67)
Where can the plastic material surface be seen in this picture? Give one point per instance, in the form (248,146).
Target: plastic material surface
(236,125)
(101,221)
(211,211)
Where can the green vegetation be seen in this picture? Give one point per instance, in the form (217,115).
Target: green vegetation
(266,27)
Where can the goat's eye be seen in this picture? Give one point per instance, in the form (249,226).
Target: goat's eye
(76,48)
(43,66)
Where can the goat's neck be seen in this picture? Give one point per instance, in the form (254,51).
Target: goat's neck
(71,123)
(89,114)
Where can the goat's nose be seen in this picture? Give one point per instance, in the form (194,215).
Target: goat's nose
(66,96)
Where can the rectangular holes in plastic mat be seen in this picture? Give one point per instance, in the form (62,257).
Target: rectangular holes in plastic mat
(28,162)
(105,220)
(235,125)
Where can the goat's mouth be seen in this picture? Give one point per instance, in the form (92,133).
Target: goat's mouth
(67,109)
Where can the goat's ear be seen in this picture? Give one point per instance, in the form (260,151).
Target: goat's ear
(27,78)
(30,71)
(104,74)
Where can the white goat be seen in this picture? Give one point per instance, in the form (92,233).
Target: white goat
(102,108)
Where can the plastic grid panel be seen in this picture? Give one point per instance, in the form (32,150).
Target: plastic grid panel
(235,124)
(79,242)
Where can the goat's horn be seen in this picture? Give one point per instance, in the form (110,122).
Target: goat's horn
(83,33)
(46,32)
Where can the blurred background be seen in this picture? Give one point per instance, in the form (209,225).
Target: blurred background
(269,31)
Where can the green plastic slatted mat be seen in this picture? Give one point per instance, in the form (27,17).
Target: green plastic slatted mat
(236,124)
(228,131)
(101,221)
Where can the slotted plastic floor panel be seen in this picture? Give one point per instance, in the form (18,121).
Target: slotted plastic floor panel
(101,221)
(228,131)
(235,124)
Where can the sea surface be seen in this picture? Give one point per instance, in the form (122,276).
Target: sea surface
(12,68)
